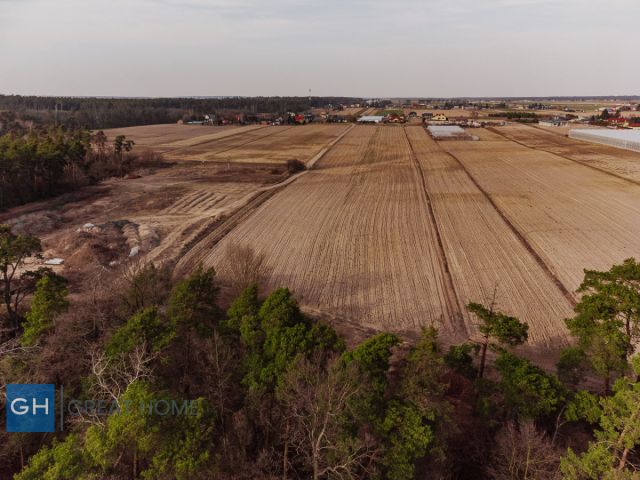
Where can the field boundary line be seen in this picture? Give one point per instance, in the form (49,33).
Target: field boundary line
(453,304)
(557,134)
(311,163)
(593,167)
(233,133)
(536,256)
(273,134)
(221,227)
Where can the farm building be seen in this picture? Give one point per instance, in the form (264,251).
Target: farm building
(627,139)
(617,121)
(440,117)
(371,119)
(553,122)
(395,118)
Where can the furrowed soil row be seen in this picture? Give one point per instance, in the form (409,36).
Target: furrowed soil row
(567,294)
(353,238)
(610,157)
(453,301)
(486,257)
(573,218)
(216,229)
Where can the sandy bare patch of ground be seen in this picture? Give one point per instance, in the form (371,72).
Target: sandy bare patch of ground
(161,214)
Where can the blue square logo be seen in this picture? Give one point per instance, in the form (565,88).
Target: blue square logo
(30,407)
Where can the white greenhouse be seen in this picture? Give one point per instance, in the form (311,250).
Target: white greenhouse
(627,139)
(449,132)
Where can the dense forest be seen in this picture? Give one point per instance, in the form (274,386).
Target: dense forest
(40,163)
(97,113)
(275,393)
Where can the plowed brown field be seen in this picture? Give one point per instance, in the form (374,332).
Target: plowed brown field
(390,229)
(390,232)
(273,145)
(624,163)
(573,216)
(163,136)
(246,144)
(354,239)
(483,252)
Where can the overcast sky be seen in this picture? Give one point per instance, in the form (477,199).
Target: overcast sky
(333,47)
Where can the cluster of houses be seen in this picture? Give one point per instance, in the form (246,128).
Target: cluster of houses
(622,122)
(440,119)
(290,118)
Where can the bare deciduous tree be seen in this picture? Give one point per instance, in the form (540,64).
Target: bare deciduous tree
(144,285)
(112,376)
(221,377)
(245,267)
(522,452)
(316,402)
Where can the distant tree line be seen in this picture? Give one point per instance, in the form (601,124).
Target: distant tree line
(518,116)
(41,163)
(97,113)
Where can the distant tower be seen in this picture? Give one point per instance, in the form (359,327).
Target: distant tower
(309,97)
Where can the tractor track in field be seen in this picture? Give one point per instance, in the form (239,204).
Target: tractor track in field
(274,134)
(539,260)
(453,299)
(218,228)
(231,134)
(584,164)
